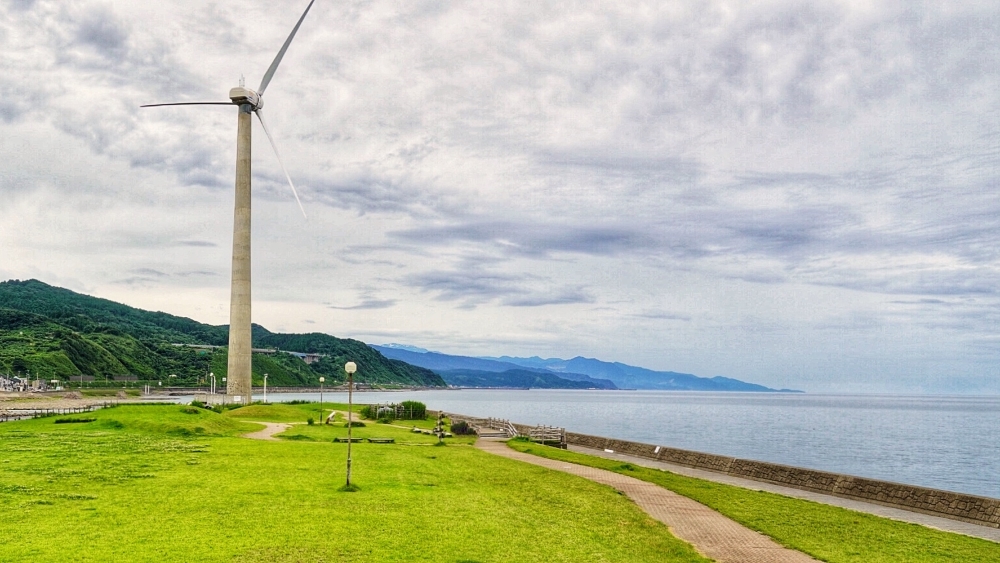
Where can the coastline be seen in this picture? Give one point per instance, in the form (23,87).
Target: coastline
(973,509)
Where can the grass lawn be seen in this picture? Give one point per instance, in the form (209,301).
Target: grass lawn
(172,483)
(828,533)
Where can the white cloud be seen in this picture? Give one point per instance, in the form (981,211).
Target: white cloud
(796,194)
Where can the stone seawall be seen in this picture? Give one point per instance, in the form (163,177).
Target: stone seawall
(967,508)
(984,511)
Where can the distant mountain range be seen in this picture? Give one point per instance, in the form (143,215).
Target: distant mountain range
(519,378)
(570,374)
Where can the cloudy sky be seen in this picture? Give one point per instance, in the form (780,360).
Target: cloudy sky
(798,194)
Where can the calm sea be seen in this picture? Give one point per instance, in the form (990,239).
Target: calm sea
(944,442)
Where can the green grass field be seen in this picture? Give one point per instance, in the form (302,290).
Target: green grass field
(828,533)
(174,483)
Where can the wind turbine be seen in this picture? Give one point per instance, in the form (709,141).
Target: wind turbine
(249,101)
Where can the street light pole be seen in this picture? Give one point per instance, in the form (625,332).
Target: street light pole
(321,380)
(350,368)
(265,388)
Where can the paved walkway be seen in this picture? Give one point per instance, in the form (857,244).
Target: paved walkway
(711,533)
(271,428)
(946,524)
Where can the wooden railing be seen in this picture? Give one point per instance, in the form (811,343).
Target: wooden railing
(486,425)
(551,435)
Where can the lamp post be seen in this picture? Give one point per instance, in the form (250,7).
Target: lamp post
(212,377)
(350,368)
(265,388)
(321,380)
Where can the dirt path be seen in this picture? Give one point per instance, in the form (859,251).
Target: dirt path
(268,433)
(711,533)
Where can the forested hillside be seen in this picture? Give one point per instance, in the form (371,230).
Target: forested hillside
(55,333)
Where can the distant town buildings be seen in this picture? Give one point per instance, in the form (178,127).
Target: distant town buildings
(14,384)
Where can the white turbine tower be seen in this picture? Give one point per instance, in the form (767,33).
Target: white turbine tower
(238,378)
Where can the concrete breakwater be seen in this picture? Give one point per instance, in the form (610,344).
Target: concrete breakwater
(957,506)
(984,511)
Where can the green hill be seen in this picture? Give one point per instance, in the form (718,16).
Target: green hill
(56,333)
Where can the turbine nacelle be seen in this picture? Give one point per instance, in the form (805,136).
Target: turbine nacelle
(241,96)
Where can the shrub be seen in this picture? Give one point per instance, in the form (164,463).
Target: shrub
(190,410)
(198,404)
(310,421)
(407,410)
(354,424)
(462,428)
(74,420)
(412,410)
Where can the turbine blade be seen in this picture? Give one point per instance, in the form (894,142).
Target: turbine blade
(277,60)
(189,104)
(260,116)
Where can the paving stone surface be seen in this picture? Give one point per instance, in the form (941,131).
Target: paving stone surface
(711,533)
(937,522)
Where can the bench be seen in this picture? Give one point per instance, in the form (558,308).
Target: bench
(382,440)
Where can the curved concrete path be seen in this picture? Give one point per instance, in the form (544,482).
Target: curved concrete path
(271,428)
(711,533)
(937,522)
